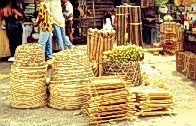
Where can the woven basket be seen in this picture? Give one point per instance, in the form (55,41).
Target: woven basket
(131,70)
(28,72)
(29,55)
(69,79)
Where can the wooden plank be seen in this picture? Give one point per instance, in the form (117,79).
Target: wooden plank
(118,26)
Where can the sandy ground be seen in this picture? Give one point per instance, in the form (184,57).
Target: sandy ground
(184,90)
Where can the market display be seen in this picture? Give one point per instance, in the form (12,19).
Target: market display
(109,100)
(28,84)
(124,54)
(129,25)
(169,40)
(69,79)
(124,60)
(186,64)
(180,40)
(151,76)
(153,101)
(99,41)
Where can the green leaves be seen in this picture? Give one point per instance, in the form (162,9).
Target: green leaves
(161,2)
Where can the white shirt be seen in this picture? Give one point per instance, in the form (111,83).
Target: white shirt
(56,12)
(67,10)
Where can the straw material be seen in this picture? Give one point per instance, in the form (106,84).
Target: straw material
(27,84)
(153,101)
(69,80)
(29,55)
(109,100)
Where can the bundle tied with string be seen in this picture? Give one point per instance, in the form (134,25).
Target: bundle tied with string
(109,101)
(27,85)
(99,41)
(70,77)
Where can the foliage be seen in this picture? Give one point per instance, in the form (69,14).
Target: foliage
(161,2)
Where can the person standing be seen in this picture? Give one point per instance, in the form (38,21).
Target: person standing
(12,16)
(59,24)
(67,10)
(45,28)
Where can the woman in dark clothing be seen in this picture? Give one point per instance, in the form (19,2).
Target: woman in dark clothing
(14,30)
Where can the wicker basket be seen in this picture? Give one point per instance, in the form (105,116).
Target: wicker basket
(131,70)
(28,72)
(69,80)
(29,55)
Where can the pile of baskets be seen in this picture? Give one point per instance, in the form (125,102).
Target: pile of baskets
(27,85)
(69,80)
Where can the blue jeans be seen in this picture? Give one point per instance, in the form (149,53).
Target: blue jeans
(45,39)
(59,33)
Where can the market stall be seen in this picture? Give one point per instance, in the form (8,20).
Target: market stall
(120,85)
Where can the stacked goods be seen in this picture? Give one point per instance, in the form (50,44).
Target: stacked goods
(129,25)
(180,40)
(169,37)
(153,101)
(99,41)
(186,64)
(124,60)
(28,84)
(190,65)
(109,100)
(69,79)
(180,57)
(151,76)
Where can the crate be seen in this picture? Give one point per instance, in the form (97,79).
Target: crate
(190,65)
(179,46)
(168,27)
(169,47)
(180,57)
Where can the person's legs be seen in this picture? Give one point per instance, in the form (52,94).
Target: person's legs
(9,32)
(65,40)
(49,46)
(18,35)
(68,28)
(43,38)
(57,34)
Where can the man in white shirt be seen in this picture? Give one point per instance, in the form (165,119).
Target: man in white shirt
(59,24)
(67,10)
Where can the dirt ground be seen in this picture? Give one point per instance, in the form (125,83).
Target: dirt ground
(184,90)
